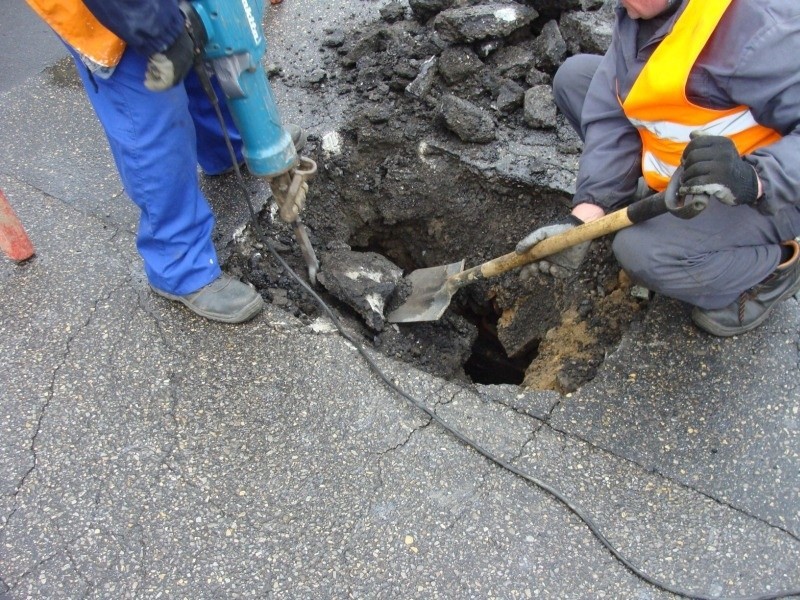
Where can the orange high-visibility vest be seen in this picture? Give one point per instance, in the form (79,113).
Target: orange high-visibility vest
(77,26)
(657,104)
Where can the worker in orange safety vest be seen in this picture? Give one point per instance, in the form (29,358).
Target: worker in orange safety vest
(712,86)
(135,61)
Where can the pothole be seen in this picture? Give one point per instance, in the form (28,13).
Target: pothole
(453,151)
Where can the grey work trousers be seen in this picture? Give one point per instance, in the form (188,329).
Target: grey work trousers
(707,261)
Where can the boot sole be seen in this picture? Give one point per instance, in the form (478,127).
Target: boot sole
(713,328)
(247,312)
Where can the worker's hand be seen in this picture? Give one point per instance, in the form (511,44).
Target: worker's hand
(562,264)
(712,167)
(167,69)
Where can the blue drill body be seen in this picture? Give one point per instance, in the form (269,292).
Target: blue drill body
(235,46)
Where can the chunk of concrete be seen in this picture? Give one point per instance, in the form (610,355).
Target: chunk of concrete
(421,86)
(475,23)
(513,62)
(468,121)
(511,97)
(550,47)
(588,32)
(425,9)
(457,63)
(362,280)
(540,108)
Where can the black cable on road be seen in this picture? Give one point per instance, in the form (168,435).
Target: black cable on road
(463,438)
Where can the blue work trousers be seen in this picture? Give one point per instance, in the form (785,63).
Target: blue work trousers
(157,140)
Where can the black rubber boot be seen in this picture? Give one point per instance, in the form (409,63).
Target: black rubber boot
(753,307)
(225,299)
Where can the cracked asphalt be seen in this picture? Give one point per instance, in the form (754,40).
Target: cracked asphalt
(146,454)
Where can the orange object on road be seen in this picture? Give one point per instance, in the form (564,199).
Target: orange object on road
(13,240)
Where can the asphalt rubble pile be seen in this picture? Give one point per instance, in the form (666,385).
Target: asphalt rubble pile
(453,150)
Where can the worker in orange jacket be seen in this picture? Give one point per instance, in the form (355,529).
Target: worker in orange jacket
(135,60)
(711,85)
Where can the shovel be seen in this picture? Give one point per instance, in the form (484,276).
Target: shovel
(433,288)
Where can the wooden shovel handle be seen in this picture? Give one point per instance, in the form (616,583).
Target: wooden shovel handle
(637,212)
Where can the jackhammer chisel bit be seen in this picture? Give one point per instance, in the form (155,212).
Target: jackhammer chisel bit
(289,190)
(233,43)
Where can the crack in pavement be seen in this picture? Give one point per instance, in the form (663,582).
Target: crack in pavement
(416,409)
(407,439)
(32,569)
(89,583)
(66,544)
(51,394)
(676,482)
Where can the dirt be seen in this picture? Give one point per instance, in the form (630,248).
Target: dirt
(442,160)
(572,351)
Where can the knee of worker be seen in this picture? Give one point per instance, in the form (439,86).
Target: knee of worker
(564,84)
(672,269)
(646,262)
(571,84)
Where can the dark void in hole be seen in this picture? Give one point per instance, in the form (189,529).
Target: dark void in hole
(489,364)
(393,245)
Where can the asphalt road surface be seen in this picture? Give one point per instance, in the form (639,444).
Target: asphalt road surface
(27,44)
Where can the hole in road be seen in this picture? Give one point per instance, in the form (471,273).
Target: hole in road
(488,362)
(541,334)
(401,191)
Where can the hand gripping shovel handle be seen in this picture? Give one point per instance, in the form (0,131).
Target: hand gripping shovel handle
(432,288)
(642,210)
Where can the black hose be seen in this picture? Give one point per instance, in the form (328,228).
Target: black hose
(579,512)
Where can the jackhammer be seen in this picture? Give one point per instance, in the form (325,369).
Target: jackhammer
(231,40)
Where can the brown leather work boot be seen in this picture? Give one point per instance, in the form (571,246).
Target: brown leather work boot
(753,306)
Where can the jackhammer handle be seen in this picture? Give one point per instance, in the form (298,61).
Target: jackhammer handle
(639,211)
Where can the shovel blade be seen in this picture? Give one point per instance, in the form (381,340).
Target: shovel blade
(430,294)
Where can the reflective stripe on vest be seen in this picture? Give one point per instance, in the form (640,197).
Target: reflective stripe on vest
(79,28)
(657,104)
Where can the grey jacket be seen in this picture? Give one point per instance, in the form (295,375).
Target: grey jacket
(752,59)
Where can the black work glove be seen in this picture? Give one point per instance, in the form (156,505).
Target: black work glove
(712,167)
(167,69)
(561,264)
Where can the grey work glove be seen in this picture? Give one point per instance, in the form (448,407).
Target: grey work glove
(167,69)
(561,264)
(712,167)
